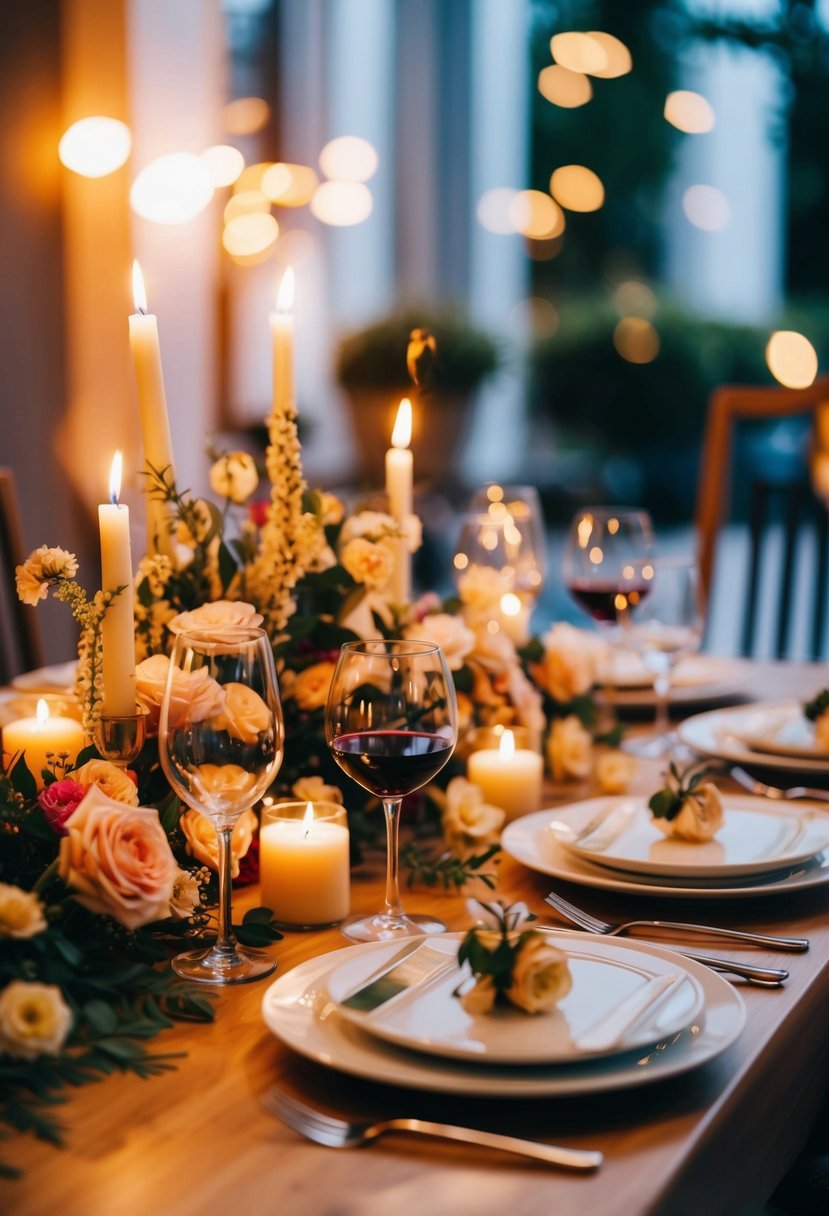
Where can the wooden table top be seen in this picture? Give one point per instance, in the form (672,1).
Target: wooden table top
(195,1141)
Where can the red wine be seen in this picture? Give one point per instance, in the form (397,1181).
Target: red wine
(391,763)
(604,601)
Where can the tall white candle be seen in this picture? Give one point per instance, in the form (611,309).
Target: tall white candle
(155,422)
(282,344)
(510,777)
(399,488)
(118,630)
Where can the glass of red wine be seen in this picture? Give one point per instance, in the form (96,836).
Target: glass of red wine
(391,723)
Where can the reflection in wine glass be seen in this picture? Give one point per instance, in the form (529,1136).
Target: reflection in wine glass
(498,571)
(662,627)
(391,723)
(523,505)
(220,743)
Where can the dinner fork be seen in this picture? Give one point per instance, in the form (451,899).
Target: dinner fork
(774,791)
(342,1133)
(594,925)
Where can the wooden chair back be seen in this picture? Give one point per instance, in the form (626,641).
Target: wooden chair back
(792,506)
(21,644)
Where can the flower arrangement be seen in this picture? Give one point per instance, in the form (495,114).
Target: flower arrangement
(511,964)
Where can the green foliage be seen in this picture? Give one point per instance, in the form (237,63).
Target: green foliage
(445,869)
(817,706)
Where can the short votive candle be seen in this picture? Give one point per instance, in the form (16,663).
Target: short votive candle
(304,863)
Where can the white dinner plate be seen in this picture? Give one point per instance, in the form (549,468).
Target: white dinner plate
(56,678)
(624,669)
(756,837)
(699,679)
(723,733)
(530,841)
(299,1011)
(430,1018)
(783,731)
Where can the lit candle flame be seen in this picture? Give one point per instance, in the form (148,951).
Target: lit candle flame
(42,713)
(115,477)
(139,293)
(401,436)
(308,817)
(506,748)
(285,296)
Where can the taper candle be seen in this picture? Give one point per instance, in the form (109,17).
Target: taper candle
(118,629)
(282,340)
(399,488)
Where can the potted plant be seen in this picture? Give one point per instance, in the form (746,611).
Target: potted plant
(371,366)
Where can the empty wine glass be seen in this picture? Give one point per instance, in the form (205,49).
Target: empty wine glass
(391,723)
(523,505)
(663,627)
(498,571)
(220,742)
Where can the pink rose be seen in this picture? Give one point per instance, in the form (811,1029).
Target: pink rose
(58,801)
(118,861)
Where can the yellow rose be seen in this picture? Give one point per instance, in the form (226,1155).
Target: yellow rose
(244,714)
(368,563)
(310,688)
(614,771)
(34,1020)
(21,912)
(569,749)
(203,843)
(109,779)
(540,976)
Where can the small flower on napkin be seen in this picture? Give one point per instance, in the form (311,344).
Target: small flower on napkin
(688,807)
(511,964)
(817,711)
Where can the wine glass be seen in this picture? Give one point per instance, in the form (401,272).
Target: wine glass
(498,570)
(523,505)
(662,627)
(391,723)
(220,742)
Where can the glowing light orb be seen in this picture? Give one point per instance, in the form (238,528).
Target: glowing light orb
(95,146)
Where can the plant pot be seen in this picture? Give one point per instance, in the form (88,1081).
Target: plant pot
(440,424)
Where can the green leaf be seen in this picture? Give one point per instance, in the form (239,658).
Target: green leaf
(101,1017)
(228,566)
(665,804)
(23,781)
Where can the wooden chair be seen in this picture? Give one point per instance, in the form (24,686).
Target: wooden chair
(790,506)
(21,645)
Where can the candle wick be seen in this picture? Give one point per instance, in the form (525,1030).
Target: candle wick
(143,311)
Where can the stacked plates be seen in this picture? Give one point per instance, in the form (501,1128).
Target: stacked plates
(763,848)
(696,679)
(636,1012)
(772,734)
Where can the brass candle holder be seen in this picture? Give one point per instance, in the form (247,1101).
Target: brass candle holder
(120,738)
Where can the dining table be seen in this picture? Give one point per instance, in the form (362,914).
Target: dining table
(716,1139)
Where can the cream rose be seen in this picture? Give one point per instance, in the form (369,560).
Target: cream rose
(614,771)
(310,688)
(700,817)
(480,998)
(467,821)
(480,589)
(34,1020)
(222,786)
(331,509)
(218,614)
(494,651)
(109,779)
(186,896)
(234,476)
(568,667)
(314,789)
(368,563)
(371,525)
(455,639)
(118,861)
(540,976)
(194,695)
(569,749)
(203,842)
(244,715)
(21,912)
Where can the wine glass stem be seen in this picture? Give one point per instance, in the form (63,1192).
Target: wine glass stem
(226,941)
(662,688)
(391,809)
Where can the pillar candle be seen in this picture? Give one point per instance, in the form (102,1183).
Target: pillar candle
(510,777)
(399,488)
(155,422)
(282,343)
(45,742)
(304,863)
(118,629)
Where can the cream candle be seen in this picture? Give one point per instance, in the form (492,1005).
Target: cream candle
(304,863)
(282,344)
(118,629)
(44,741)
(510,777)
(399,488)
(155,422)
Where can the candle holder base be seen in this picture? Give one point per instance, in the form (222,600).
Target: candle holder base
(120,739)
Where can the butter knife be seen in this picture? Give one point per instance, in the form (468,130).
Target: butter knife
(408,971)
(610,1030)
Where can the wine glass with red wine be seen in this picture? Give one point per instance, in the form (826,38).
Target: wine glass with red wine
(391,723)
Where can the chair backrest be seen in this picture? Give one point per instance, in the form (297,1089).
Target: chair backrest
(21,645)
(786,522)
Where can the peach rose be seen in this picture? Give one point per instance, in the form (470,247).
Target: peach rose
(203,842)
(195,695)
(569,664)
(223,786)
(614,771)
(455,639)
(468,822)
(368,563)
(569,749)
(118,861)
(216,615)
(244,714)
(310,688)
(109,779)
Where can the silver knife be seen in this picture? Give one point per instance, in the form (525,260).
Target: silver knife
(410,969)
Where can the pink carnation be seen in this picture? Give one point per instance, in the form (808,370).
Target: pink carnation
(58,801)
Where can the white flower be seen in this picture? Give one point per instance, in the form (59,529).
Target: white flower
(568,668)
(468,822)
(614,771)
(218,614)
(185,898)
(449,632)
(21,912)
(359,615)
(40,568)
(34,1020)
(494,651)
(234,476)
(314,789)
(700,817)
(540,976)
(569,749)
